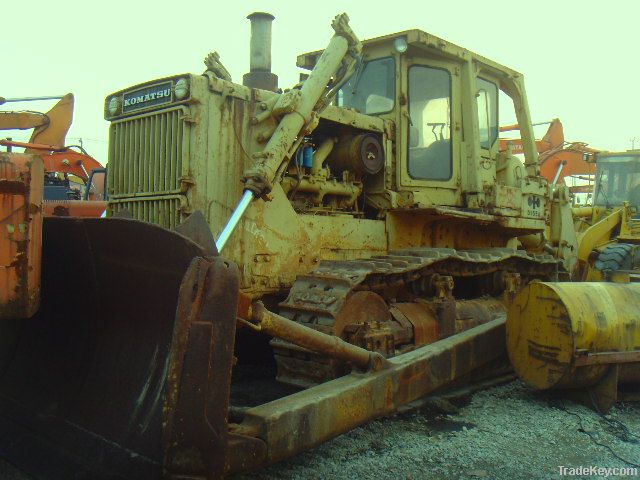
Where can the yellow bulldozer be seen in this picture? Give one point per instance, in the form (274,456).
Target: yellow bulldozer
(278,267)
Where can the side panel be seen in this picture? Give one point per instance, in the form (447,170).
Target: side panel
(21,189)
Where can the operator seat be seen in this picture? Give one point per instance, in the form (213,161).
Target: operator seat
(432,162)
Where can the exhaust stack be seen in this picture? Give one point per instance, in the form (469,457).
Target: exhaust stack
(260,75)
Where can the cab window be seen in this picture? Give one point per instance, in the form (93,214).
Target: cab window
(371,89)
(430,155)
(487,112)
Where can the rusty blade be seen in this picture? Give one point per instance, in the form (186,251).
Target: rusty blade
(199,379)
(82,382)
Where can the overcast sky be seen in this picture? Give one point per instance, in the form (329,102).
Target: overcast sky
(581,59)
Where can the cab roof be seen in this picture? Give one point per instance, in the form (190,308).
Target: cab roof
(425,41)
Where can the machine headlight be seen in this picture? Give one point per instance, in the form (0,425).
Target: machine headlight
(181,88)
(113,105)
(400,44)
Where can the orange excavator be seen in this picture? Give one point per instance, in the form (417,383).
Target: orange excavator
(558,158)
(74,182)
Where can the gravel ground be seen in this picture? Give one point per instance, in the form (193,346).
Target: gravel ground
(505,432)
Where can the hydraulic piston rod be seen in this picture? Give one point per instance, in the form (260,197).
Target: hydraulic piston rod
(277,326)
(247,196)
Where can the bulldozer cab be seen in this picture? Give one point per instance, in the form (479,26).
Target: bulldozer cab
(618,179)
(443,101)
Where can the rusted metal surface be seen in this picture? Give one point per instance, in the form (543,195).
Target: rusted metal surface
(82,382)
(470,313)
(325,300)
(197,402)
(21,186)
(303,420)
(302,336)
(196,228)
(605,358)
(423,320)
(360,308)
(59,159)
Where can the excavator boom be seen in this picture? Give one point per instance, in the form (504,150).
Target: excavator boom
(558,158)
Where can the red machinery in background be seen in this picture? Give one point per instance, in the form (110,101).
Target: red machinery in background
(74,181)
(558,158)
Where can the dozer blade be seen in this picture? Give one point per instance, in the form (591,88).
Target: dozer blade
(114,376)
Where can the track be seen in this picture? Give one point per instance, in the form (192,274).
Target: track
(329,299)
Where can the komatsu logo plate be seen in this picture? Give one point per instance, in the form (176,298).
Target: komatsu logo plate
(147,97)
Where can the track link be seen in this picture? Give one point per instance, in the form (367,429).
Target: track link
(316,299)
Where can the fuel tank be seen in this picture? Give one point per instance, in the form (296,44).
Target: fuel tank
(567,335)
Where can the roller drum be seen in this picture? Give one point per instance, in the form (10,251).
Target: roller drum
(565,335)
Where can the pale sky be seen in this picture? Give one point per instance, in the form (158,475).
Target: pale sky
(581,59)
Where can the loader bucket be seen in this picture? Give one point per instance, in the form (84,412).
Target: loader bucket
(95,385)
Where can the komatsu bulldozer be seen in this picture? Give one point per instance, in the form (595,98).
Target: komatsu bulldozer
(278,267)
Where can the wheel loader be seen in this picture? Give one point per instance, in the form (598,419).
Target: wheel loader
(278,267)
(610,230)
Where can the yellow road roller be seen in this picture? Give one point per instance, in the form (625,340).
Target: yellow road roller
(576,335)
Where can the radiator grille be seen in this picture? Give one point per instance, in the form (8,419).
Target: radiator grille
(148,154)
(163,211)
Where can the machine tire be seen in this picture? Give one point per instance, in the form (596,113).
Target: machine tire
(618,256)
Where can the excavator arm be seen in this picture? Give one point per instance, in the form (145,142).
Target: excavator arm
(49,128)
(552,139)
(22,120)
(558,158)
(60,159)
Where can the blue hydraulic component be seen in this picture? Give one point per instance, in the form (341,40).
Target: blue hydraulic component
(307,156)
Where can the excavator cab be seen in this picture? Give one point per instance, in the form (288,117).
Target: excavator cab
(96,186)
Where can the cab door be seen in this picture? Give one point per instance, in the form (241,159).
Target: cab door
(431,118)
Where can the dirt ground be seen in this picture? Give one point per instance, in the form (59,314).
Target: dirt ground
(505,432)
